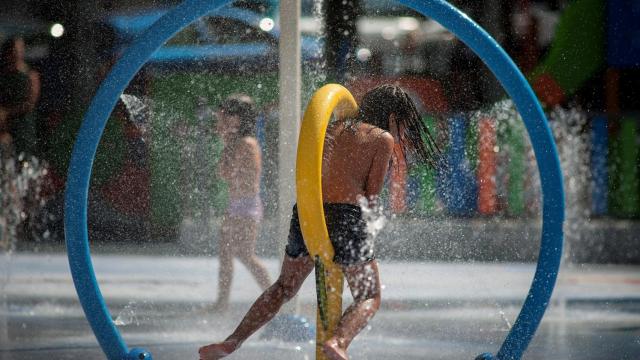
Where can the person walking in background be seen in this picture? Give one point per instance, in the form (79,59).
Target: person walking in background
(19,93)
(240,166)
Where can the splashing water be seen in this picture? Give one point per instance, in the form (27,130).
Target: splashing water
(139,112)
(373,216)
(20,202)
(20,187)
(317,70)
(573,144)
(139,312)
(567,126)
(573,148)
(128,315)
(194,146)
(504,318)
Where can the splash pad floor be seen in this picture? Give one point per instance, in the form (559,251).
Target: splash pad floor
(430,310)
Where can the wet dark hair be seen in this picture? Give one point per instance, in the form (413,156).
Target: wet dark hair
(245,108)
(376,108)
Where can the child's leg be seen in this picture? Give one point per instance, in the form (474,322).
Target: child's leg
(246,230)
(292,275)
(225,256)
(364,282)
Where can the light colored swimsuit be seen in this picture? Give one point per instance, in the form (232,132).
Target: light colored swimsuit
(245,207)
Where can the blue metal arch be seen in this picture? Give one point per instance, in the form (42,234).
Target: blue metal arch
(457,22)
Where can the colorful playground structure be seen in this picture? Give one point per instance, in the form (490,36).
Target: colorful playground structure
(490,171)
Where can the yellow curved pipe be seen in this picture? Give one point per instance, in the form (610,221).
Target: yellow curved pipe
(327,100)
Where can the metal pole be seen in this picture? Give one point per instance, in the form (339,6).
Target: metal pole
(290,85)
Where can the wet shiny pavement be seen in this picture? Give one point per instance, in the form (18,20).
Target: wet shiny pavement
(430,310)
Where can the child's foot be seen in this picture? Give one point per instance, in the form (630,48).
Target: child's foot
(332,349)
(217,351)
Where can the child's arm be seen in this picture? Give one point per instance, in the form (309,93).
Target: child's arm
(224,168)
(379,167)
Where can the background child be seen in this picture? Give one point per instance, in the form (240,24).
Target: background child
(240,166)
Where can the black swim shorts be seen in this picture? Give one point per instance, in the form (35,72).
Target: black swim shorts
(347,232)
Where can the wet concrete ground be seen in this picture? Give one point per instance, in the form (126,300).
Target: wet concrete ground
(430,310)
(459,333)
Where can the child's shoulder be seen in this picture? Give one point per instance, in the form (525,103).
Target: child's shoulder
(247,145)
(242,152)
(385,142)
(248,141)
(375,134)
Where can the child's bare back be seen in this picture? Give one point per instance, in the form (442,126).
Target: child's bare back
(356,157)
